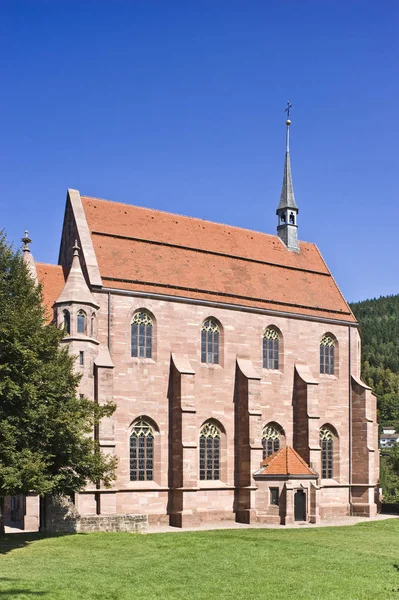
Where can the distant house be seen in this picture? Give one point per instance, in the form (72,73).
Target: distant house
(388,437)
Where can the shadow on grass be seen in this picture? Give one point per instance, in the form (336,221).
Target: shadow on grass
(14,541)
(17,591)
(396,566)
(9,593)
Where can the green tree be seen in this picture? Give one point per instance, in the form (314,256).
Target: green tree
(389,475)
(47,444)
(379,324)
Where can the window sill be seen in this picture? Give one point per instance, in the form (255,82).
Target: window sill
(211,366)
(214,484)
(142,361)
(327,376)
(271,371)
(329,482)
(143,485)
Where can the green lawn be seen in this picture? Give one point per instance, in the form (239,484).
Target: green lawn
(348,563)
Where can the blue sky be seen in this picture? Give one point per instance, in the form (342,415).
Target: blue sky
(179,106)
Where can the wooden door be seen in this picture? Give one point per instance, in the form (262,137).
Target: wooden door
(300,506)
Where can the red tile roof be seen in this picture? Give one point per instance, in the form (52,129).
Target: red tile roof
(286,462)
(141,249)
(52,279)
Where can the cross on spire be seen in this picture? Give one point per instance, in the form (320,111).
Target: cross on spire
(26,240)
(288,123)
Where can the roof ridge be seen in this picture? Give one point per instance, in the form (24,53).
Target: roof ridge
(191,218)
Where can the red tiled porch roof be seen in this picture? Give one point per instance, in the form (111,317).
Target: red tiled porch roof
(286,462)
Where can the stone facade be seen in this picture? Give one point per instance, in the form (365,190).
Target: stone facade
(178,393)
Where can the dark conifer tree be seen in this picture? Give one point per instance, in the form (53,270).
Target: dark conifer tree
(379,323)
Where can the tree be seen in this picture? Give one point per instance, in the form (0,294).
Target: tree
(389,475)
(47,444)
(379,322)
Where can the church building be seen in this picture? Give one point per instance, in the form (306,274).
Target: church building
(233,360)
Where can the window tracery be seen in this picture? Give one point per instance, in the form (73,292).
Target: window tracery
(271,340)
(270,440)
(210,435)
(142,451)
(210,342)
(327,448)
(327,351)
(141,334)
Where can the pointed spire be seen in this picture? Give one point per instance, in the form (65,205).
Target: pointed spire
(287,198)
(27,256)
(287,210)
(76,288)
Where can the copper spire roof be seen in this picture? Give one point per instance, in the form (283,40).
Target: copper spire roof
(287,198)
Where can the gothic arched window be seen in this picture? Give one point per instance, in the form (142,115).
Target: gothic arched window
(271,439)
(141,451)
(327,452)
(141,332)
(67,321)
(327,348)
(210,435)
(270,348)
(210,342)
(81,322)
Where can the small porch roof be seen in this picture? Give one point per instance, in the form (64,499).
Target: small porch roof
(287,464)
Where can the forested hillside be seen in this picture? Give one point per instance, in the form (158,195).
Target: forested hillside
(379,322)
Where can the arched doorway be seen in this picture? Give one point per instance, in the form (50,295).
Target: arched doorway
(300,505)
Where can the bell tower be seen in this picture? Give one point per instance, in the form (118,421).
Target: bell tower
(287,210)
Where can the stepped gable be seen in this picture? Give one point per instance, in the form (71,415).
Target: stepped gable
(52,279)
(141,249)
(286,462)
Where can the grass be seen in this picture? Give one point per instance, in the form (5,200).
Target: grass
(349,563)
